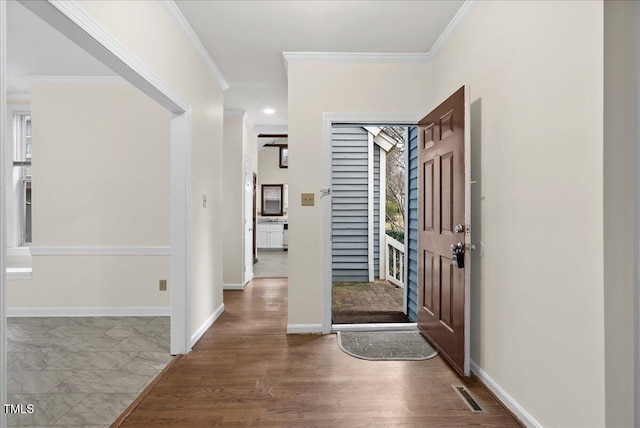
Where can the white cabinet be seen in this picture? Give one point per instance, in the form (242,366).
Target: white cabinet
(263,237)
(270,235)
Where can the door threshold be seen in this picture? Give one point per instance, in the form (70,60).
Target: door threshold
(389,326)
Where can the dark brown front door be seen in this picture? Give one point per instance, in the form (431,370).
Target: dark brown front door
(443,230)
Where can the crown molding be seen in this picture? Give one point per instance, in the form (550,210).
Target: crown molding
(362,57)
(452,28)
(85,80)
(181,22)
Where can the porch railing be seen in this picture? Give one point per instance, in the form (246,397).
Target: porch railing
(394,270)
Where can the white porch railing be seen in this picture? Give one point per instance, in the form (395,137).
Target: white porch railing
(394,266)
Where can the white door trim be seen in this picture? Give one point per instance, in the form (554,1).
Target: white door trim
(382,248)
(68,18)
(637,236)
(328,119)
(3,245)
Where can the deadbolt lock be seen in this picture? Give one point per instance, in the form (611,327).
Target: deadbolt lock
(457,256)
(459,228)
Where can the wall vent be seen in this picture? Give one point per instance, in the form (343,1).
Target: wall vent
(468,398)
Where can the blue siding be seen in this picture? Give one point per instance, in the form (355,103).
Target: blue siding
(412,246)
(349,191)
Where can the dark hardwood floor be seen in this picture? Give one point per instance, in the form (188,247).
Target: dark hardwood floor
(245,371)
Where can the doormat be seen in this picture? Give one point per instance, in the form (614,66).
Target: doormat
(386,345)
(366,317)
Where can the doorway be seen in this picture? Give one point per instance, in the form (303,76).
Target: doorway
(65,17)
(272,203)
(368,222)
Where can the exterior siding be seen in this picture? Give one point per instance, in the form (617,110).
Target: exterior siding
(349,190)
(412,245)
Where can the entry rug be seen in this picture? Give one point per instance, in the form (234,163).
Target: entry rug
(387,345)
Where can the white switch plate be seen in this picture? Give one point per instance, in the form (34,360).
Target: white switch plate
(204,201)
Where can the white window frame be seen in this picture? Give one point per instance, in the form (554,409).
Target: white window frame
(16,185)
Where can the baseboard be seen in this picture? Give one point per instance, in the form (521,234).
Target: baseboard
(505,398)
(232,287)
(304,328)
(208,323)
(139,311)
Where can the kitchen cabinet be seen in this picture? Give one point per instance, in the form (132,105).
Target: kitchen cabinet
(270,235)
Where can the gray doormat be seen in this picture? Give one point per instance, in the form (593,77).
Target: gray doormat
(387,345)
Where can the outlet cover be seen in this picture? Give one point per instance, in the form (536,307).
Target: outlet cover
(308,200)
(163,285)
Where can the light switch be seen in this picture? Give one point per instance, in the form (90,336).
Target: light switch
(308,200)
(163,285)
(204,201)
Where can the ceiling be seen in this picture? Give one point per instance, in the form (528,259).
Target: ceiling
(34,48)
(246,40)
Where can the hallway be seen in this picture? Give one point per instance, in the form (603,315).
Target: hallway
(245,371)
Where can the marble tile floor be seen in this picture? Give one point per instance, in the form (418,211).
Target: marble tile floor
(271,264)
(82,371)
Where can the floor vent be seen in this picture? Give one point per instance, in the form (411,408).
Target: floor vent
(468,398)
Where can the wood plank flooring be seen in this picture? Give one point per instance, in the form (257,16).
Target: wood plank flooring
(245,371)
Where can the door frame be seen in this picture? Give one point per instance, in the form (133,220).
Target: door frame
(328,120)
(71,21)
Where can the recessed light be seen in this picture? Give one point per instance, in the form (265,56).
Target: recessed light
(268,110)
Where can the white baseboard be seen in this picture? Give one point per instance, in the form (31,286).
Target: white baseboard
(205,326)
(505,398)
(138,311)
(232,287)
(304,328)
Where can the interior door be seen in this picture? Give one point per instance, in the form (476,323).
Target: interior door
(444,235)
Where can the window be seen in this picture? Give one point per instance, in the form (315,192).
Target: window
(22,176)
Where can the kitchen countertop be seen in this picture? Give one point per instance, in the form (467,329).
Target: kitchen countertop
(272,220)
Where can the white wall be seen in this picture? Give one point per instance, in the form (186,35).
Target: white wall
(269,171)
(233,199)
(536,76)
(315,88)
(240,145)
(146,30)
(620,115)
(100,179)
